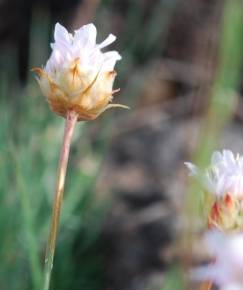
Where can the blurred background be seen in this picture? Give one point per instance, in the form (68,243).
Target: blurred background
(123,217)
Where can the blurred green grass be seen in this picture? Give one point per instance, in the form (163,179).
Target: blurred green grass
(30,140)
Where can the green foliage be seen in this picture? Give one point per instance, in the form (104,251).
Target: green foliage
(30,138)
(174,279)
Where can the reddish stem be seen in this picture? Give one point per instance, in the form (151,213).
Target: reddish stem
(71,120)
(206,285)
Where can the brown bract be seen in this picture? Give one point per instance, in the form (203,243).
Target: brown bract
(226,214)
(70,89)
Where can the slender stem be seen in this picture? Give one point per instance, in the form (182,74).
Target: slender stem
(71,120)
(206,285)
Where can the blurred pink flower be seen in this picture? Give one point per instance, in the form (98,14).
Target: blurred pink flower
(226,269)
(222,184)
(223,176)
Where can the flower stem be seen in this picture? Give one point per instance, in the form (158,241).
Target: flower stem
(71,120)
(206,285)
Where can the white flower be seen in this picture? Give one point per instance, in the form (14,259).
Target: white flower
(227,266)
(81,45)
(224,175)
(79,76)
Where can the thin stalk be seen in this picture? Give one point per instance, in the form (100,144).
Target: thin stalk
(71,120)
(206,285)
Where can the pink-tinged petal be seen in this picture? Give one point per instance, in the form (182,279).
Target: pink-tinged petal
(221,186)
(232,286)
(82,46)
(61,34)
(216,158)
(227,261)
(114,55)
(110,39)
(58,57)
(229,156)
(86,35)
(241,161)
(192,168)
(225,174)
(62,47)
(110,59)
(203,273)
(49,66)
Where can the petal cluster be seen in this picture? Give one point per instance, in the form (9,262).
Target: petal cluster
(223,176)
(78,76)
(222,182)
(226,267)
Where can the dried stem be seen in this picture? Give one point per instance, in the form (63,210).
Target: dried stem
(71,120)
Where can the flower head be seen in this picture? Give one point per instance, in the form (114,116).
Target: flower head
(78,76)
(227,266)
(224,175)
(223,180)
